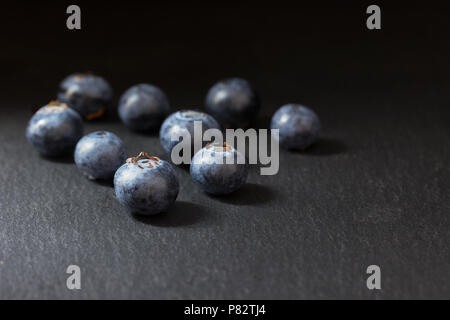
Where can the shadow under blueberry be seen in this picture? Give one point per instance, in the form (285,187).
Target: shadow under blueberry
(181,214)
(65,159)
(108,117)
(249,194)
(262,122)
(326,147)
(104,183)
(149,133)
(185,167)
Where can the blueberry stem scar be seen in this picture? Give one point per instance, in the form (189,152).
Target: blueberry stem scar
(96,115)
(54,106)
(141,156)
(55,103)
(226,146)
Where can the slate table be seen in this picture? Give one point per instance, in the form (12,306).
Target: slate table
(373,191)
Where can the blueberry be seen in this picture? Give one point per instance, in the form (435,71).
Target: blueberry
(143,107)
(219,169)
(183,122)
(88,94)
(299,126)
(99,154)
(55,129)
(233,102)
(146,185)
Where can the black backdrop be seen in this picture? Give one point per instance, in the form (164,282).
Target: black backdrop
(374,190)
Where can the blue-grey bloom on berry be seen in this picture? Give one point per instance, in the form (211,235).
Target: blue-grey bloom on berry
(99,154)
(88,94)
(233,102)
(299,126)
(143,107)
(54,129)
(181,123)
(146,185)
(219,169)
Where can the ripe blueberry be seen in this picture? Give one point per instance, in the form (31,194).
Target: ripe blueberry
(233,102)
(182,122)
(143,107)
(54,129)
(88,94)
(299,126)
(146,185)
(219,169)
(99,154)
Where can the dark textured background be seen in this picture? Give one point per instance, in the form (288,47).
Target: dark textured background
(374,190)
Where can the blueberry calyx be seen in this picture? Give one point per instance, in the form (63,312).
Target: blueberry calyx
(151,160)
(190,114)
(82,75)
(96,115)
(53,106)
(218,147)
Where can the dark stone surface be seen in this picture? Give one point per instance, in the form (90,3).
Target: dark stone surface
(374,190)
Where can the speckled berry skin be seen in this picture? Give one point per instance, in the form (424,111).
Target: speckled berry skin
(143,107)
(54,129)
(181,122)
(99,154)
(88,94)
(299,126)
(233,102)
(210,170)
(146,185)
